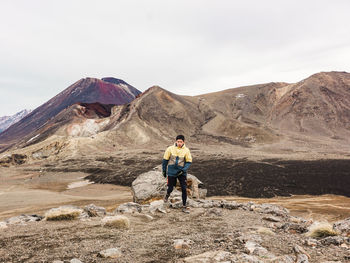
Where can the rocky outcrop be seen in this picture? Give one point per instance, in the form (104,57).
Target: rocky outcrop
(151,186)
(13,159)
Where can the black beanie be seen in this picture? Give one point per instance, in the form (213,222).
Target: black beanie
(180,137)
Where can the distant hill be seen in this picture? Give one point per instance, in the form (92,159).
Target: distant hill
(7,121)
(316,109)
(88,90)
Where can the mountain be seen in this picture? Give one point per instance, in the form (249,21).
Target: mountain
(313,110)
(316,108)
(88,90)
(7,121)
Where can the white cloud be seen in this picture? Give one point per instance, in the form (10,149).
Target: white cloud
(187,47)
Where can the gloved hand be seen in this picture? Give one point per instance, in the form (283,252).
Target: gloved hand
(179,173)
(164,174)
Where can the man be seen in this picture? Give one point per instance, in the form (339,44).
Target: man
(178,159)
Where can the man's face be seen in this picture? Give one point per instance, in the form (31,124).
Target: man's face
(179,143)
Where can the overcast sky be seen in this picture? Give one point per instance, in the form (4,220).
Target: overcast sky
(185,46)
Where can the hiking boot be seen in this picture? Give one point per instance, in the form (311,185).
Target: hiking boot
(166,198)
(185,210)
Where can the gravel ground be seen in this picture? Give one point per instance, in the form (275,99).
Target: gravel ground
(152,241)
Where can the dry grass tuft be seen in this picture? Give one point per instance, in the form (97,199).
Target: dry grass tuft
(118,221)
(62,213)
(321,229)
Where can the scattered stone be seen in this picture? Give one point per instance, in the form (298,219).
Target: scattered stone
(272,218)
(311,242)
(265,231)
(93,210)
(302,258)
(63,213)
(145,217)
(273,209)
(230,205)
(128,208)
(210,257)
(110,253)
(248,259)
(119,221)
(182,243)
(157,206)
(333,240)
(343,226)
(22,219)
(294,228)
(344,246)
(176,205)
(297,220)
(282,259)
(257,250)
(192,203)
(214,211)
(300,253)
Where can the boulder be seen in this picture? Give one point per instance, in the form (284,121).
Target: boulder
(3,225)
(151,186)
(148,186)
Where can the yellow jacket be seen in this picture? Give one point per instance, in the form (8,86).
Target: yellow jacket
(177,159)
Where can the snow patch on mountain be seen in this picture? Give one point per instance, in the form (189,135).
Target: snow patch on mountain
(7,121)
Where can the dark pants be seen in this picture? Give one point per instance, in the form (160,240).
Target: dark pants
(183,182)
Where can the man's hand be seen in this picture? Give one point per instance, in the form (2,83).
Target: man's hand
(179,173)
(164,174)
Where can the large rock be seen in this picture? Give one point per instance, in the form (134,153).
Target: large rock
(151,186)
(148,186)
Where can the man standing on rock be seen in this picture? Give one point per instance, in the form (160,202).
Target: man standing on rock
(178,159)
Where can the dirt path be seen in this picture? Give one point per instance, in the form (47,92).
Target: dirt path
(34,192)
